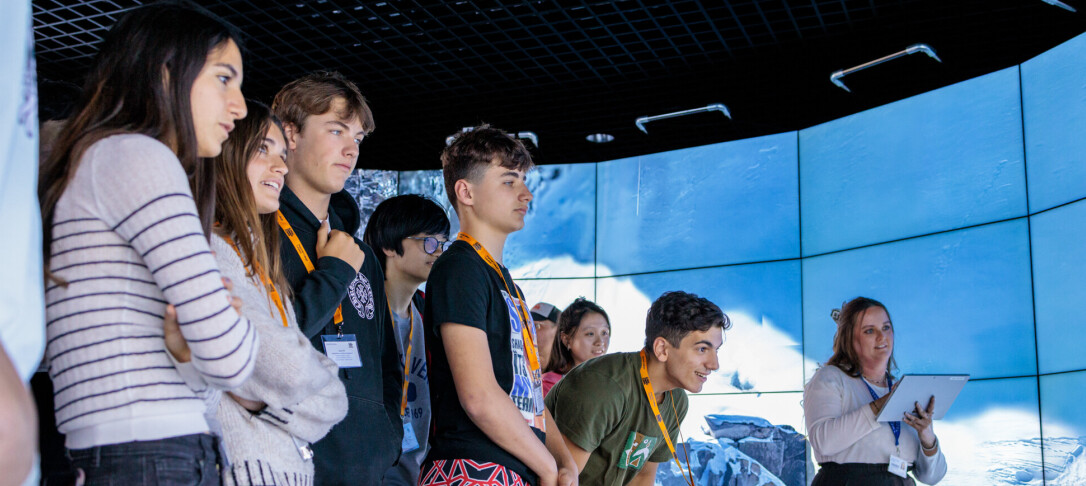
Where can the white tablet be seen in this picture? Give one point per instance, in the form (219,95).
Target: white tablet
(915,389)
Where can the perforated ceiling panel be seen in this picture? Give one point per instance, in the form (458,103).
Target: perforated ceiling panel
(566,69)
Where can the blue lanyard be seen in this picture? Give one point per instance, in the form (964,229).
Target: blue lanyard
(894,426)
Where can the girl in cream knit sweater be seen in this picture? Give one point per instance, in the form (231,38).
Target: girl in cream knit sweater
(294,395)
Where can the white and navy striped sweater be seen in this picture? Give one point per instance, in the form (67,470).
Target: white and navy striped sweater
(127,239)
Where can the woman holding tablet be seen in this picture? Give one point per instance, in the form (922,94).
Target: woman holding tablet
(843,398)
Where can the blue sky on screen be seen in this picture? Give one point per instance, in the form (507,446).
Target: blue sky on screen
(941,160)
(960,301)
(717,204)
(560,223)
(1059,282)
(762,349)
(1054,101)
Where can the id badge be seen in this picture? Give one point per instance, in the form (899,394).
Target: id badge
(410,442)
(342,349)
(898,466)
(303,449)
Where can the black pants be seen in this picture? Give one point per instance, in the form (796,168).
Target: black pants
(834,474)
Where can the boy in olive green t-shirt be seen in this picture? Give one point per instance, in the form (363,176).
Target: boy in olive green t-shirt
(603,410)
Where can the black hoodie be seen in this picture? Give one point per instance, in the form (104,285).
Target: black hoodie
(366,443)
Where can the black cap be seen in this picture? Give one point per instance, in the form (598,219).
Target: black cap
(545,312)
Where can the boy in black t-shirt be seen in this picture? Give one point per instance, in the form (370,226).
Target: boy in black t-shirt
(489,419)
(614,433)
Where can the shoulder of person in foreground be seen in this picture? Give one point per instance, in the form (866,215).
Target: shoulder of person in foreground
(18,421)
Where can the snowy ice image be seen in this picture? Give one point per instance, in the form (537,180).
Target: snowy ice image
(369,188)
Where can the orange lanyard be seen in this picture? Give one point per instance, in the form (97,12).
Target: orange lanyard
(263,278)
(529,341)
(647,385)
(285,225)
(407,352)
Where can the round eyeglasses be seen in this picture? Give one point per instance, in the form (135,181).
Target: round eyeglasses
(430,244)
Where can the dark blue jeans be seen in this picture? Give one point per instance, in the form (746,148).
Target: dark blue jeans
(190,460)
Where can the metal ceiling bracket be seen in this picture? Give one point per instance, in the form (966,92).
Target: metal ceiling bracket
(1060,4)
(531,136)
(835,78)
(640,122)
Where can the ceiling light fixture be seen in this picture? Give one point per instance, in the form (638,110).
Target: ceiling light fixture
(835,78)
(1060,4)
(640,122)
(600,138)
(530,136)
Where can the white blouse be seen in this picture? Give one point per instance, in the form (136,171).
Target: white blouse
(842,428)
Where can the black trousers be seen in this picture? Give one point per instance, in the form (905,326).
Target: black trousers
(834,474)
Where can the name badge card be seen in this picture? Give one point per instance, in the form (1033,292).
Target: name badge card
(898,466)
(410,442)
(342,349)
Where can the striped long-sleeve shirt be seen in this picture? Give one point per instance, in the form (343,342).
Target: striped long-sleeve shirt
(127,239)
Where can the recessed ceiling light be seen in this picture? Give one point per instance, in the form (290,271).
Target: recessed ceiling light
(600,138)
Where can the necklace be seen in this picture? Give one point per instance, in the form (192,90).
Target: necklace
(879,382)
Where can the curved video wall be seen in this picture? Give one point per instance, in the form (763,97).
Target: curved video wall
(962,209)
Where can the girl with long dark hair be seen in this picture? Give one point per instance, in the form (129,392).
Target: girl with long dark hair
(127,199)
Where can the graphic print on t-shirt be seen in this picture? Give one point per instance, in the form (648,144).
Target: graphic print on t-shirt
(361,293)
(525,394)
(637,451)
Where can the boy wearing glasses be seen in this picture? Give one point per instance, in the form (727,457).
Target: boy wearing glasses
(338,289)
(489,420)
(408,233)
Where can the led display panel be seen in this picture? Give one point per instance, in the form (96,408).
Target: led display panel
(960,301)
(1059,287)
(726,203)
(1054,108)
(942,160)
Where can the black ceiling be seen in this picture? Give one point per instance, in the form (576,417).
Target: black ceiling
(565,69)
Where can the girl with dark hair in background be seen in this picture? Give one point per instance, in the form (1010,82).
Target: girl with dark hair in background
(843,398)
(294,395)
(584,332)
(127,201)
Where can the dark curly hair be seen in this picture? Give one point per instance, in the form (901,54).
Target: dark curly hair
(844,355)
(676,314)
(471,152)
(568,321)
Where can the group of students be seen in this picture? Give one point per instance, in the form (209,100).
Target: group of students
(211,319)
